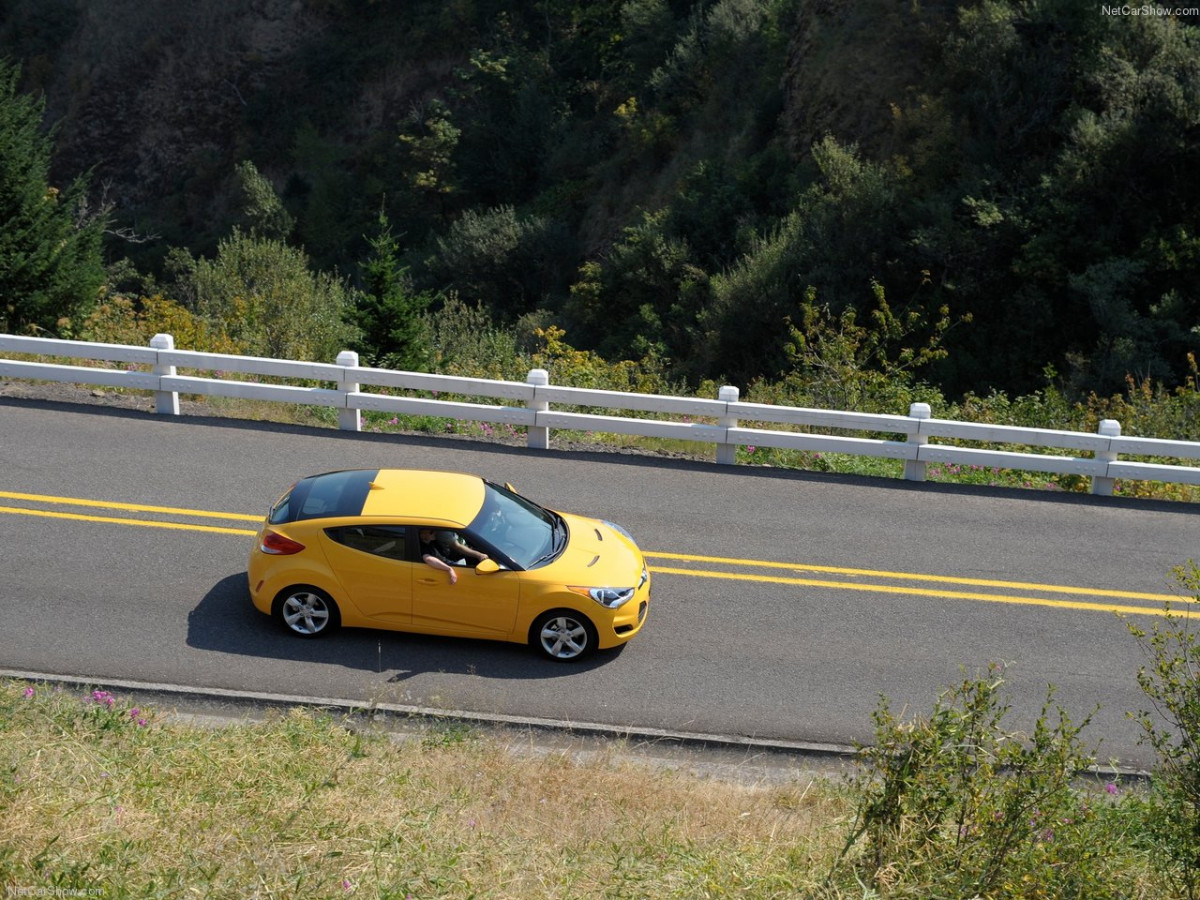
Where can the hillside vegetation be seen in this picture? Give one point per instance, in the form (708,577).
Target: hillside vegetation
(959,200)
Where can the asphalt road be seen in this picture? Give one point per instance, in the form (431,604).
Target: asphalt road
(817,594)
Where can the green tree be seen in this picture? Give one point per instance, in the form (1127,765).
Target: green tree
(509,262)
(841,237)
(268,299)
(333,219)
(1064,184)
(389,311)
(842,363)
(51,269)
(644,300)
(430,138)
(1116,220)
(261,212)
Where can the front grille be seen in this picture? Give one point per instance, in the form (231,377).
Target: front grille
(642,611)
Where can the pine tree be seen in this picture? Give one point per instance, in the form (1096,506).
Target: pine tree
(389,312)
(51,269)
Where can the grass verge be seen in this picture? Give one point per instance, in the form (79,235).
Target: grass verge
(103,798)
(113,800)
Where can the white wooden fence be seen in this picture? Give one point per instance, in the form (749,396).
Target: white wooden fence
(529,404)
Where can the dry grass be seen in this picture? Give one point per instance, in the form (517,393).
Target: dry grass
(302,805)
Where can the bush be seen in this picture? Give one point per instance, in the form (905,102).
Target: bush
(645,298)
(955,805)
(123,320)
(506,261)
(269,300)
(1171,681)
(463,340)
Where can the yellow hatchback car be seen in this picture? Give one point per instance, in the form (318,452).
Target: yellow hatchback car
(448,554)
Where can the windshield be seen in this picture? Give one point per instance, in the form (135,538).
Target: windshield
(528,534)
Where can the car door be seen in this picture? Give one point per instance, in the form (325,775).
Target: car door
(371,562)
(478,605)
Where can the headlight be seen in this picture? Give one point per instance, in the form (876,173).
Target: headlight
(606,596)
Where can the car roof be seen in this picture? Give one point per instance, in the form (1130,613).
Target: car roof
(422,494)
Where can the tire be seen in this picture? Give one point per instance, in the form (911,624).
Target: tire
(563,635)
(307,612)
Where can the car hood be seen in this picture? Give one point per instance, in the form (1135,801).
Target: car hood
(596,556)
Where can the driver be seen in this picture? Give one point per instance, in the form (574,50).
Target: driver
(456,549)
(443,550)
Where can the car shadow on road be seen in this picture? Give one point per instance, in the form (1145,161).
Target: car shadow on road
(224,621)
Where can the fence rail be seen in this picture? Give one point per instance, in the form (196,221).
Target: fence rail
(1094,455)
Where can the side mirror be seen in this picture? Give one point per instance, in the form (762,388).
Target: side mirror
(486,567)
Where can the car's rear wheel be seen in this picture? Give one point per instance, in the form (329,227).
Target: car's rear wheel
(307,611)
(563,636)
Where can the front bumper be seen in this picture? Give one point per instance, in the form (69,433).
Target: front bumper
(630,618)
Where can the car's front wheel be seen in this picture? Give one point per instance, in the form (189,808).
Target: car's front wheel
(307,611)
(563,635)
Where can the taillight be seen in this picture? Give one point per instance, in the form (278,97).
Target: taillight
(277,545)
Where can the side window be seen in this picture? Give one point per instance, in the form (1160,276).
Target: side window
(450,545)
(381,540)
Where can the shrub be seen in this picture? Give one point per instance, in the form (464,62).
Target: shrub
(463,340)
(1171,681)
(645,298)
(124,320)
(955,805)
(268,298)
(506,261)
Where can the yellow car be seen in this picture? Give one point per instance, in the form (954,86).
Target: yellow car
(448,554)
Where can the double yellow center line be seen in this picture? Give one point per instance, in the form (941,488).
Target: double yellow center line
(884,582)
(127,507)
(693,566)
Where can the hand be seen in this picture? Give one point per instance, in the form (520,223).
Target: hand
(453,577)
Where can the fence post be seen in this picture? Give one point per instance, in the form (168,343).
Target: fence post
(539,435)
(1102,485)
(349,418)
(166,403)
(727,453)
(914,469)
